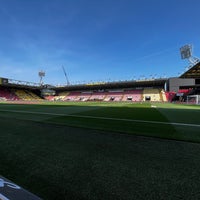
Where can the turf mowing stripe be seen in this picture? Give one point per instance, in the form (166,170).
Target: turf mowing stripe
(104,118)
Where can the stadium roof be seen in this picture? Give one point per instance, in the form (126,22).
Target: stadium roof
(116,85)
(193,72)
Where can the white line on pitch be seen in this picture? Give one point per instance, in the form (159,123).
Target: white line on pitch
(104,118)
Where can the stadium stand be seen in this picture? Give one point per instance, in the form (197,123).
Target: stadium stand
(33,96)
(132,95)
(26,95)
(97,96)
(50,98)
(6,94)
(151,95)
(63,93)
(176,89)
(60,97)
(114,96)
(73,96)
(184,91)
(85,96)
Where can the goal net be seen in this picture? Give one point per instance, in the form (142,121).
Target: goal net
(193,99)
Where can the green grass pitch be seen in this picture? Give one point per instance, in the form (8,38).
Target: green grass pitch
(100,150)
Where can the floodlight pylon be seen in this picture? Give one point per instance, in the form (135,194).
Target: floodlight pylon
(41,74)
(186,53)
(68,83)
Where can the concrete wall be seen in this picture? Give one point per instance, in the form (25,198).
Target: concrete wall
(175,83)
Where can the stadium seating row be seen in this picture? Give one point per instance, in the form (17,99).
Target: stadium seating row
(156,95)
(6,94)
(17,94)
(148,94)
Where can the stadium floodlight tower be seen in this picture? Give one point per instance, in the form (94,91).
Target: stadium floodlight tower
(41,75)
(68,83)
(186,53)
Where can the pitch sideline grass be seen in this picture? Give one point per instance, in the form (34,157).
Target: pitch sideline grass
(138,119)
(55,161)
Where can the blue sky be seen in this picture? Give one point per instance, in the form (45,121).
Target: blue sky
(96,40)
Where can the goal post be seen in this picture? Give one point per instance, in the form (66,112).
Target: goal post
(193,99)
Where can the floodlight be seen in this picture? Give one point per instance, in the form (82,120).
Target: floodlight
(186,51)
(41,75)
